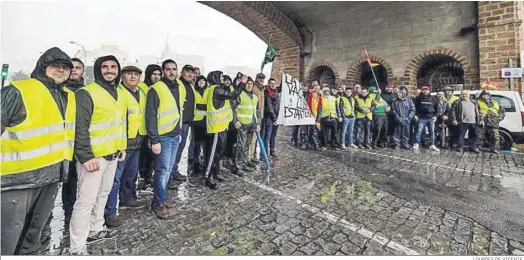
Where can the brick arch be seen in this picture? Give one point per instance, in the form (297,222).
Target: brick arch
(413,67)
(354,72)
(311,73)
(265,20)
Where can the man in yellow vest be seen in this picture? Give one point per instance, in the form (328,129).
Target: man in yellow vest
(328,117)
(153,74)
(259,91)
(164,111)
(364,105)
(124,188)
(38,117)
(347,112)
(247,121)
(100,142)
(218,116)
(491,115)
(453,130)
(199,125)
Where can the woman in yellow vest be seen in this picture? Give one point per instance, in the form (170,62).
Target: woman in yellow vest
(218,117)
(364,106)
(491,115)
(38,117)
(100,142)
(124,188)
(247,121)
(328,117)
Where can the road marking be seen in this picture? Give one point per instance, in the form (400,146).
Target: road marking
(335,220)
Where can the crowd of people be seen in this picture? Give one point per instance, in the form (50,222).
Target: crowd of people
(368,118)
(116,136)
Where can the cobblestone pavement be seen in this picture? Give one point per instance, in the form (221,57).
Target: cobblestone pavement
(372,202)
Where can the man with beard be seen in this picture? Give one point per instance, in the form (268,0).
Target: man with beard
(259,92)
(218,117)
(186,80)
(164,115)
(246,121)
(364,105)
(328,117)
(199,123)
(38,118)
(100,142)
(123,190)
(75,82)
(426,107)
(152,75)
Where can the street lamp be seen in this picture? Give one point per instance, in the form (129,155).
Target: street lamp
(85,53)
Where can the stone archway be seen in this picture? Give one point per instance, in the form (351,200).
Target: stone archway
(324,72)
(354,72)
(444,65)
(265,20)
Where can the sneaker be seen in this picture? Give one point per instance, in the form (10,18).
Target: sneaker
(353,146)
(113,221)
(83,252)
(415,147)
(161,211)
(495,151)
(133,204)
(367,146)
(179,177)
(101,235)
(344,147)
(476,150)
(274,155)
(434,148)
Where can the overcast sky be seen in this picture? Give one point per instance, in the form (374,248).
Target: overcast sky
(137,27)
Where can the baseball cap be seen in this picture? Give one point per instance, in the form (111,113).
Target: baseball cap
(188,67)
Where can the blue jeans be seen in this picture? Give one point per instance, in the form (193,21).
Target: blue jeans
(363,124)
(270,135)
(347,126)
(185,133)
(163,165)
(472,135)
(422,123)
(124,183)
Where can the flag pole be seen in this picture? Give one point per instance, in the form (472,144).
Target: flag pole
(372,71)
(269,42)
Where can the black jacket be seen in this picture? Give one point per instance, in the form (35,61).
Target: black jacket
(426,106)
(221,92)
(388,97)
(456,111)
(149,71)
(133,144)
(13,113)
(152,110)
(189,104)
(200,106)
(84,110)
(74,85)
(272,105)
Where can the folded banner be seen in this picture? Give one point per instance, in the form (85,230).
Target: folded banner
(293,106)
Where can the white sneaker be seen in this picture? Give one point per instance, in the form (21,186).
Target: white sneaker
(434,148)
(415,147)
(344,147)
(354,146)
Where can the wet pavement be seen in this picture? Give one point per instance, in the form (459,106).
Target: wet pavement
(369,202)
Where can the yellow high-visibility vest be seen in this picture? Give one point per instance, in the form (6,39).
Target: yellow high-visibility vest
(329,107)
(364,105)
(217,120)
(349,106)
(107,130)
(169,114)
(44,138)
(200,101)
(136,113)
(452,100)
(143,87)
(247,108)
(483,107)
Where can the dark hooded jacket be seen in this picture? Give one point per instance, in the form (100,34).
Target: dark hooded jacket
(237,101)
(200,106)
(426,106)
(403,109)
(189,104)
(221,92)
(73,84)
(84,109)
(152,104)
(149,71)
(13,113)
(272,104)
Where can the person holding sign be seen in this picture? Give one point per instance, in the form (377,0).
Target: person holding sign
(328,116)
(364,105)
(245,118)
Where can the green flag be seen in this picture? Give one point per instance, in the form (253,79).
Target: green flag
(270,56)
